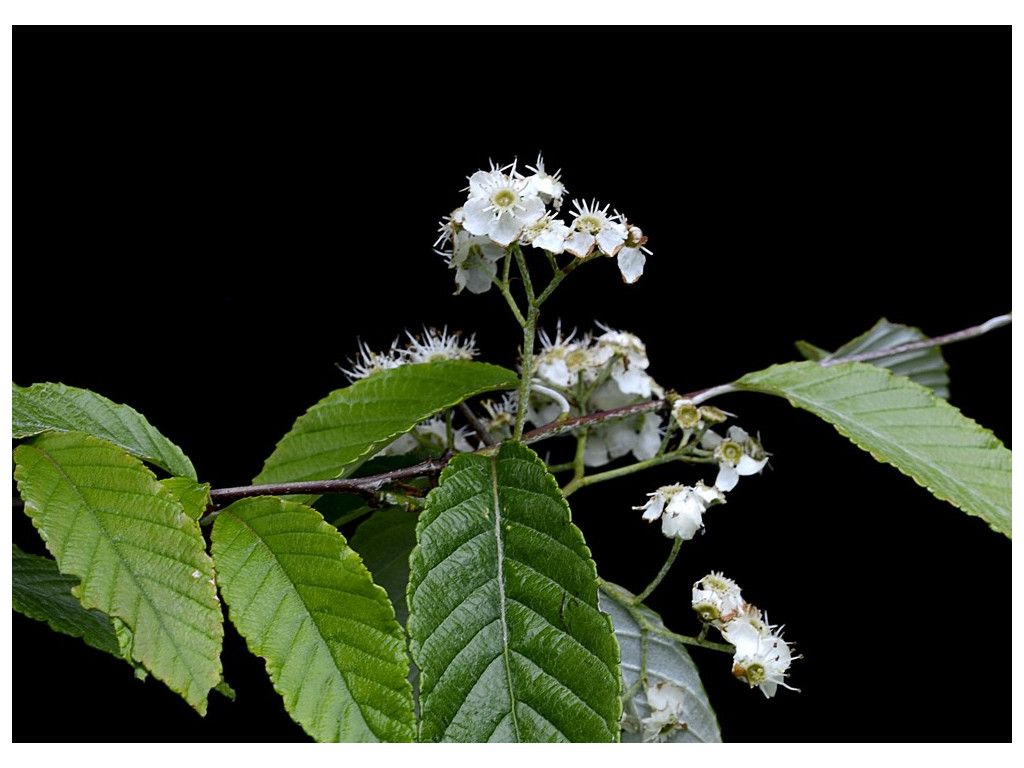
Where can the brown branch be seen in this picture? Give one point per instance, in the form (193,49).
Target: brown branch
(365,485)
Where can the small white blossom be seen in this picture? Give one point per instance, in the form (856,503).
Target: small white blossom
(738,455)
(633,255)
(717,599)
(501,416)
(547,233)
(562,361)
(500,205)
(681,508)
(548,186)
(630,367)
(431,435)
(762,657)
(433,345)
(475,261)
(593,226)
(667,702)
(368,362)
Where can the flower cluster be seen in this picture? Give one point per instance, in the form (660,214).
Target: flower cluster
(598,373)
(505,207)
(427,347)
(680,507)
(761,656)
(667,702)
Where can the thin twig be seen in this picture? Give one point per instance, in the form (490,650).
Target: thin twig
(934,341)
(365,485)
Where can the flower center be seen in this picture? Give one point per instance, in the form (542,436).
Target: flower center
(503,199)
(730,451)
(755,674)
(688,416)
(591,224)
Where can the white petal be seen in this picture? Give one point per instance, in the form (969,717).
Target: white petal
(610,239)
(631,264)
(727,477)
(710,440)
(476,218)
(580,243)
(632,380)
(531,208)
(504,229)
(552,239)
(750,466)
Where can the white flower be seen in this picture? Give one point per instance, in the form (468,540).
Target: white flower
(475,261)
(431,435)
(716,599)
(501,416)
(547,233)
(681,508)
(562,361)
(630,368)
(548,186)
(639,435)
(762,657)
(633,255)
(500,205)
(667,702)
(593,227)
(739,454)
(449,227)
(368,362)
(434,345)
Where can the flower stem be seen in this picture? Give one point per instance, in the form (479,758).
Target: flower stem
(676,546)
(681,454)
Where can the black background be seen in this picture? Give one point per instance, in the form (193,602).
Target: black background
(208,230)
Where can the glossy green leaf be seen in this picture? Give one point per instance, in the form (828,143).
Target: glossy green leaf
(305,602)
(503,612)
(59,408)
(384,541)
(903,424)
(140,558)
(349,425)
(656,658)
(925,366)
(42,592)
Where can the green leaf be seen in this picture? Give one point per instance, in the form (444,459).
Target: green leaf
(140,558)
(503,613)
(903,424)
(384,541)
(194,497)
(303,600)
(925,366)
(349,425)
(637,629)
(59,408)
(42,592)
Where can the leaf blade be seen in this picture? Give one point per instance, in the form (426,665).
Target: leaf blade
(333,648)
(667,661)
(41,592)
(57,407)
(349,425)
(140,558)
(925,366)
(503,614)
(906,425)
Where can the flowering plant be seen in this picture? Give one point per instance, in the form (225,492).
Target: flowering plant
(464,604)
